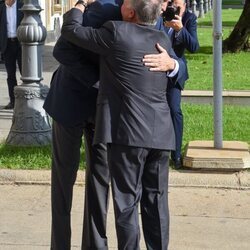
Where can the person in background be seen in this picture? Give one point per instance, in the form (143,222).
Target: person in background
(10,19)
(182,31)
(133,116)
(71,102)
(183,34)
(1,59)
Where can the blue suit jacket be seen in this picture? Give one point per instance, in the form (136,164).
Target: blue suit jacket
(3,23)
(72,99)
(186,40)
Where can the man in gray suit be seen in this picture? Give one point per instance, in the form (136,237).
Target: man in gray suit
(133,116)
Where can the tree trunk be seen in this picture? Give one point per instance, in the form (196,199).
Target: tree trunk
(239,38)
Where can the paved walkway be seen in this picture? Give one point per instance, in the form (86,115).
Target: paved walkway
(201,218)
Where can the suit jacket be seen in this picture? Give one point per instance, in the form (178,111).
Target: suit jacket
(3,23)
(71,98)
(187,38)
(131,108)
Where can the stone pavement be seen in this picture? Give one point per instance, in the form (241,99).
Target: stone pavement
(208,211)
(200,218)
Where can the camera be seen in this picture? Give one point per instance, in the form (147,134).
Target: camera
(170,12)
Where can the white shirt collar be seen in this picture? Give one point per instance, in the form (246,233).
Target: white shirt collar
(11,15)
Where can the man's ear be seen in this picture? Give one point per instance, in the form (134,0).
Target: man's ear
(132,14)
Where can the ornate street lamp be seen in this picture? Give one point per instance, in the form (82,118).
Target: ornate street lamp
(30,124)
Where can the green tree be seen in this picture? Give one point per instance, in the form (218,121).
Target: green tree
(239,38)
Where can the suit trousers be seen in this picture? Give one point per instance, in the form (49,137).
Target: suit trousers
(174,102)
(65,163)
(140,175)
(12,55)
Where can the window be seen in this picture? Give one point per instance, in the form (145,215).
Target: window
(57,6)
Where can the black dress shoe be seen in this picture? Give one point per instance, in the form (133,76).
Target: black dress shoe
(10,105)
(177,163)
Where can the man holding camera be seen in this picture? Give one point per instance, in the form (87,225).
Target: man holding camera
(183,33)
(181,27)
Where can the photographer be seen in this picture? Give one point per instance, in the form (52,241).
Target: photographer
(181,27)
(183,33)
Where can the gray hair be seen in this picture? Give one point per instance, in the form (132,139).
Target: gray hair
(147,11)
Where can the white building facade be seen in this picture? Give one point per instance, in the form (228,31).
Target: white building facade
(52,15)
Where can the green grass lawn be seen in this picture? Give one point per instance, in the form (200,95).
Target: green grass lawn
(235,66)
(229,18)
(198,125)
(232,2)
(29,157)
(25,157)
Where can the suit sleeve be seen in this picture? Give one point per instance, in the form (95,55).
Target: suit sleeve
(181,76)
(69,54)
(188,35)
(99,41)
(98,13)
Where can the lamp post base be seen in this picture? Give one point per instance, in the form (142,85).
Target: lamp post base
(30,125)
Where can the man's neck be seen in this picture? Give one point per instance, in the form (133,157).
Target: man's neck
(10,2)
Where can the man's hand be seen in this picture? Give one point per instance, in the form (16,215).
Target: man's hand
(81,5)
(175,24)
(159,62)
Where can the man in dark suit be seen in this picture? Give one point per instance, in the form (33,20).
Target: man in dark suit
(133,117)
(71,102)
(183,33)
(10,19)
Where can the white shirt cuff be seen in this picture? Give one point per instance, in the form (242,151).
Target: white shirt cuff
(175,71)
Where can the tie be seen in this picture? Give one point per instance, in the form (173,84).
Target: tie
(171,35)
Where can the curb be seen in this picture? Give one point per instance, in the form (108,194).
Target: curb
(182,178)
(210,179)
